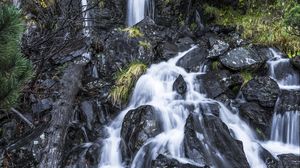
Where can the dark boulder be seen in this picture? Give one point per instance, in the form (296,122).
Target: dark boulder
(180,86)
(263,90)
(217,48)
(295,61)
(289,100)
(42,105)
(193,59)
(167,162)
(216,83)
(242,58)
(268,158)
(284,72)
(289,161)
(138,126)
(209,142)
(257,117)
(167,50)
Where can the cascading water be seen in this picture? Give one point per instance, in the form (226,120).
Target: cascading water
(155,88)
(138,9)
(285,124)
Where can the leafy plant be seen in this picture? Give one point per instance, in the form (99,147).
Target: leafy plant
(292,20)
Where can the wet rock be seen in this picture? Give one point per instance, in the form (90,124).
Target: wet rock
(205,140)
(8,132)
(216,83)
(289,161)
(242,58)
(289,100)
(88,112)
(138,126)
(295,61)
(218,48)
(193,59)
(180,85)
(184,43)
(41,106)
(263,90)
(167,50)
(19,158)
(92,155)
(257,117)
(268,158)
(167,162)
(284,71)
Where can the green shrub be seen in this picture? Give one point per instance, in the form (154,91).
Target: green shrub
(292,20)
(14,69)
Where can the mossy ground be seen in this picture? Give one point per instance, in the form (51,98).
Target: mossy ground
(261,24)
(125,81)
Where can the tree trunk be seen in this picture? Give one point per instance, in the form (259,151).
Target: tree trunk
(62,113)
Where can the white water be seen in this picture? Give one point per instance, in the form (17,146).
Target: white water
(138,9)
(285,124)
(86,25)
(155,88)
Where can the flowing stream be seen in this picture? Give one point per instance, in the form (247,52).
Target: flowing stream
(155,88)
(285,124)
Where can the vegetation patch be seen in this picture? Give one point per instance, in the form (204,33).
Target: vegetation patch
(263,23)
(125,81)
(133,32)
(145,44)
(247,76)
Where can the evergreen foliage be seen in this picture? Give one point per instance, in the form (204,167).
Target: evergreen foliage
(292,20)
(14,69)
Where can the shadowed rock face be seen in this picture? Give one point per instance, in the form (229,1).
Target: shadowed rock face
(138,126)
(263,90)
(289,161)
(164,161)
(180,85)
(221,149)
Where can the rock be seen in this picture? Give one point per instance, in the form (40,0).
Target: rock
(295,61)
(257,117)
(209,142)
(42,105)
(263,90)
(167,162)
(138,126)
(92,155)
(193,59)
(216,83)
(289,100)
(19,158)
(268,158)
(88,112)
(242,58)
(180,86)
(167,50)
(289,161)
(184,43)
(284,72)
(218,48)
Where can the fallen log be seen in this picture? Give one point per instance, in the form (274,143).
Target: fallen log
(61,113)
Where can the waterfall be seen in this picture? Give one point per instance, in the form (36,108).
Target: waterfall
(285,124)
(138,9)
(86,25)
(155,88)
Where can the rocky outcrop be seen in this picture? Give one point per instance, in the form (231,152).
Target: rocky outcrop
(204,139)
(167,162)
(242,58)
(295,61)
(289,161)
(289,100)
(180,85)
(138,126)
(263,90)
(257,117)
(193,59)
(216,83)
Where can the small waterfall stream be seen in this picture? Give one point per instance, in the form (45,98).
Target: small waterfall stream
(138,9)
(155,88)
(285,124)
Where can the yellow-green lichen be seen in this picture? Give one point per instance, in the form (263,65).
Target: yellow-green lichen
(133,32)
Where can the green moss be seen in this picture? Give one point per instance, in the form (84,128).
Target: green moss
(125,81)
(215,65)
(247,76)
(260,133)
(133,32)
(262,24)
(145,44)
